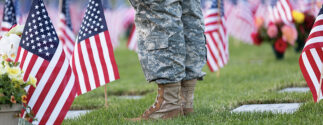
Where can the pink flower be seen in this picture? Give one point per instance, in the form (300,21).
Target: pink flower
(289,34)
(272,31)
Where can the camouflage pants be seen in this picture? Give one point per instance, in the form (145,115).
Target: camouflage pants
(171,39)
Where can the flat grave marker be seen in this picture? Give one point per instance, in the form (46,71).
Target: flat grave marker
(134,97)
(295,89)
(75,113)
(288,108)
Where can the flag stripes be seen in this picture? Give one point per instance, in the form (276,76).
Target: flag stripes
(53,82)
(94,62)
(216,37)
(65,31)
(312,57)
(66,35)
(241,20)
(281,11)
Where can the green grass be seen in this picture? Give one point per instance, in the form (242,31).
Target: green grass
(253,75)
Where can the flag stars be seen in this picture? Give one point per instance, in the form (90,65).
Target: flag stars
(47,54)
(40,50)
(93,21)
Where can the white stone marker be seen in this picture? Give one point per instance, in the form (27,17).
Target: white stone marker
(75,113)
(296,89)
(288,108)
(135,97)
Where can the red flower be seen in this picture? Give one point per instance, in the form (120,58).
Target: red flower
(280,46)
(9,60)
(256,38)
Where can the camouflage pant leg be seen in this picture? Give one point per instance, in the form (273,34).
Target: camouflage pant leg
(193,22)
(161,44)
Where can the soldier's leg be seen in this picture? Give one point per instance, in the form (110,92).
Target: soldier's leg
(161,44)
(192,19)
(161,51)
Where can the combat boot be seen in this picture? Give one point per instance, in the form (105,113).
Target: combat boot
(187,93)
(167,104)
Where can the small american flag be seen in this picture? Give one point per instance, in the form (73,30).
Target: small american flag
(93,59)
(280,11)
(241,20)
(9,16)
(41,55)
(65,30)
(216,37)
(132,41)
(312,57)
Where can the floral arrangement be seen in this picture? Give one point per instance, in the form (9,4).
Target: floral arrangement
(12,83)
(278,34)
(281,35)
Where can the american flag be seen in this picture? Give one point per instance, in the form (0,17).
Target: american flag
(216,36)
(65,30)
(312,57)
(41,55)
(93,59)
(280,11)
(9,16)
(241,20)
(132,41)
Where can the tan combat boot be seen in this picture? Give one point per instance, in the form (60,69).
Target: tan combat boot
(187,93)
(167,104)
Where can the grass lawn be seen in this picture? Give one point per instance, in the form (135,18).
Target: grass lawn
(253,75)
